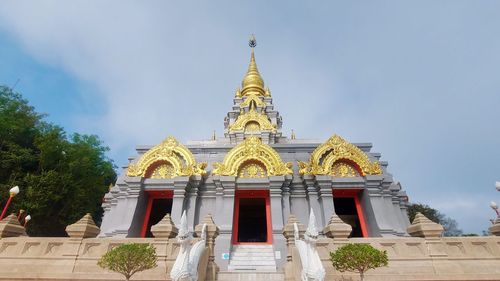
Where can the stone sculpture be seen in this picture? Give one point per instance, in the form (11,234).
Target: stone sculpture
(185,267)
(312,268)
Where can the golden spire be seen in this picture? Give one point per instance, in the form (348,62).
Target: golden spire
(252,82)
(214,137)
(293,135)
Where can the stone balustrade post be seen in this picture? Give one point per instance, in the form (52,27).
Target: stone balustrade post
(495,228)
(165,228)
(337,228)
(212,232)
(84,228)
(424,227)
(10,227)
(288,232)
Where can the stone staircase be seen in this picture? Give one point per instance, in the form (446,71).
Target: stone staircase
(250,276)
(255,258)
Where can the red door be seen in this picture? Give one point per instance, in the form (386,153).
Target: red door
(252,217)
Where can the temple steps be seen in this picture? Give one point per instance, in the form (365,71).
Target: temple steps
(253,258)
(250,276)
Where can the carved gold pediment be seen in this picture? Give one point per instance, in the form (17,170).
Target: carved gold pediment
(170,154)
(252,116)
(252,150)
(337,157)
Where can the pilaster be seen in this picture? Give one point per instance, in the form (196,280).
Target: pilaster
(178,201)
(313,195)
(325,194)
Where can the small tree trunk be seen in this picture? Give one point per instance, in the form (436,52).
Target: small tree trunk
(362,275)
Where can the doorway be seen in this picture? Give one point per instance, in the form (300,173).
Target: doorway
(252,217)
(159,204)
(348,208)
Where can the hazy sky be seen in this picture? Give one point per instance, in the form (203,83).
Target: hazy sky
(418,79)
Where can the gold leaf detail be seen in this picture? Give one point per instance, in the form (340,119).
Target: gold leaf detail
(169,151)
(335,149)
(252,150)
(252,116)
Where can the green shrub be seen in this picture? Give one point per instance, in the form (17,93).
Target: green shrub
(358,258)
(129,259)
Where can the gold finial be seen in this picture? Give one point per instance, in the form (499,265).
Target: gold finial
(238,93)
(110,186)
(268,92)
(293,135)
(252,81)
(214,137)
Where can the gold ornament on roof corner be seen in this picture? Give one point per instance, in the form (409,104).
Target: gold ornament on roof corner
(267,93)
(334,157)
(238,93)
(168,159)
(252,150)
(252,116)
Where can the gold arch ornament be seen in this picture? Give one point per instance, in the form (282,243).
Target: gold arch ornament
(337,149)
(252,149)
(172,152)
(252,115)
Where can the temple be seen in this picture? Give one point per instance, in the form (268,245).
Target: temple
(251,180)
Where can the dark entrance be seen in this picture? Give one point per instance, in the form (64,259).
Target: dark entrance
(252,220)
(345,208)
(159,208)
(252,217)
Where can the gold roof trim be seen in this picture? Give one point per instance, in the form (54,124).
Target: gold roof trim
(337,149)
(252,149)
(171,151)
(252,115)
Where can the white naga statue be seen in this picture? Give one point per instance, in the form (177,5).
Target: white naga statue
(185,267)
(312,268)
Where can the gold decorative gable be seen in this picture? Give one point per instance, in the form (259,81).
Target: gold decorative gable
(170,152)
(252,150)
(325,158)
(252,115)
(252,98)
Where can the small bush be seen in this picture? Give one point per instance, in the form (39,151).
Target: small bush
(358,258)
(129,259)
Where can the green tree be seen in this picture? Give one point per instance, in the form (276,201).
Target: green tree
(61,177)
(358,258)
(450,225)
(129,259)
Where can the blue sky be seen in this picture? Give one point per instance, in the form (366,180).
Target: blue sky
(418,79)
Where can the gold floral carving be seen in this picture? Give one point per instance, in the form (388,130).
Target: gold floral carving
(172,152)
(252,115)
(163,171)
(252,169)
(343,170)
(252,149)
(335,149)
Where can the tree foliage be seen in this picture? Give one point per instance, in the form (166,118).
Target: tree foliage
(358,258)
(450,225)
(129,259)
(61,177)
